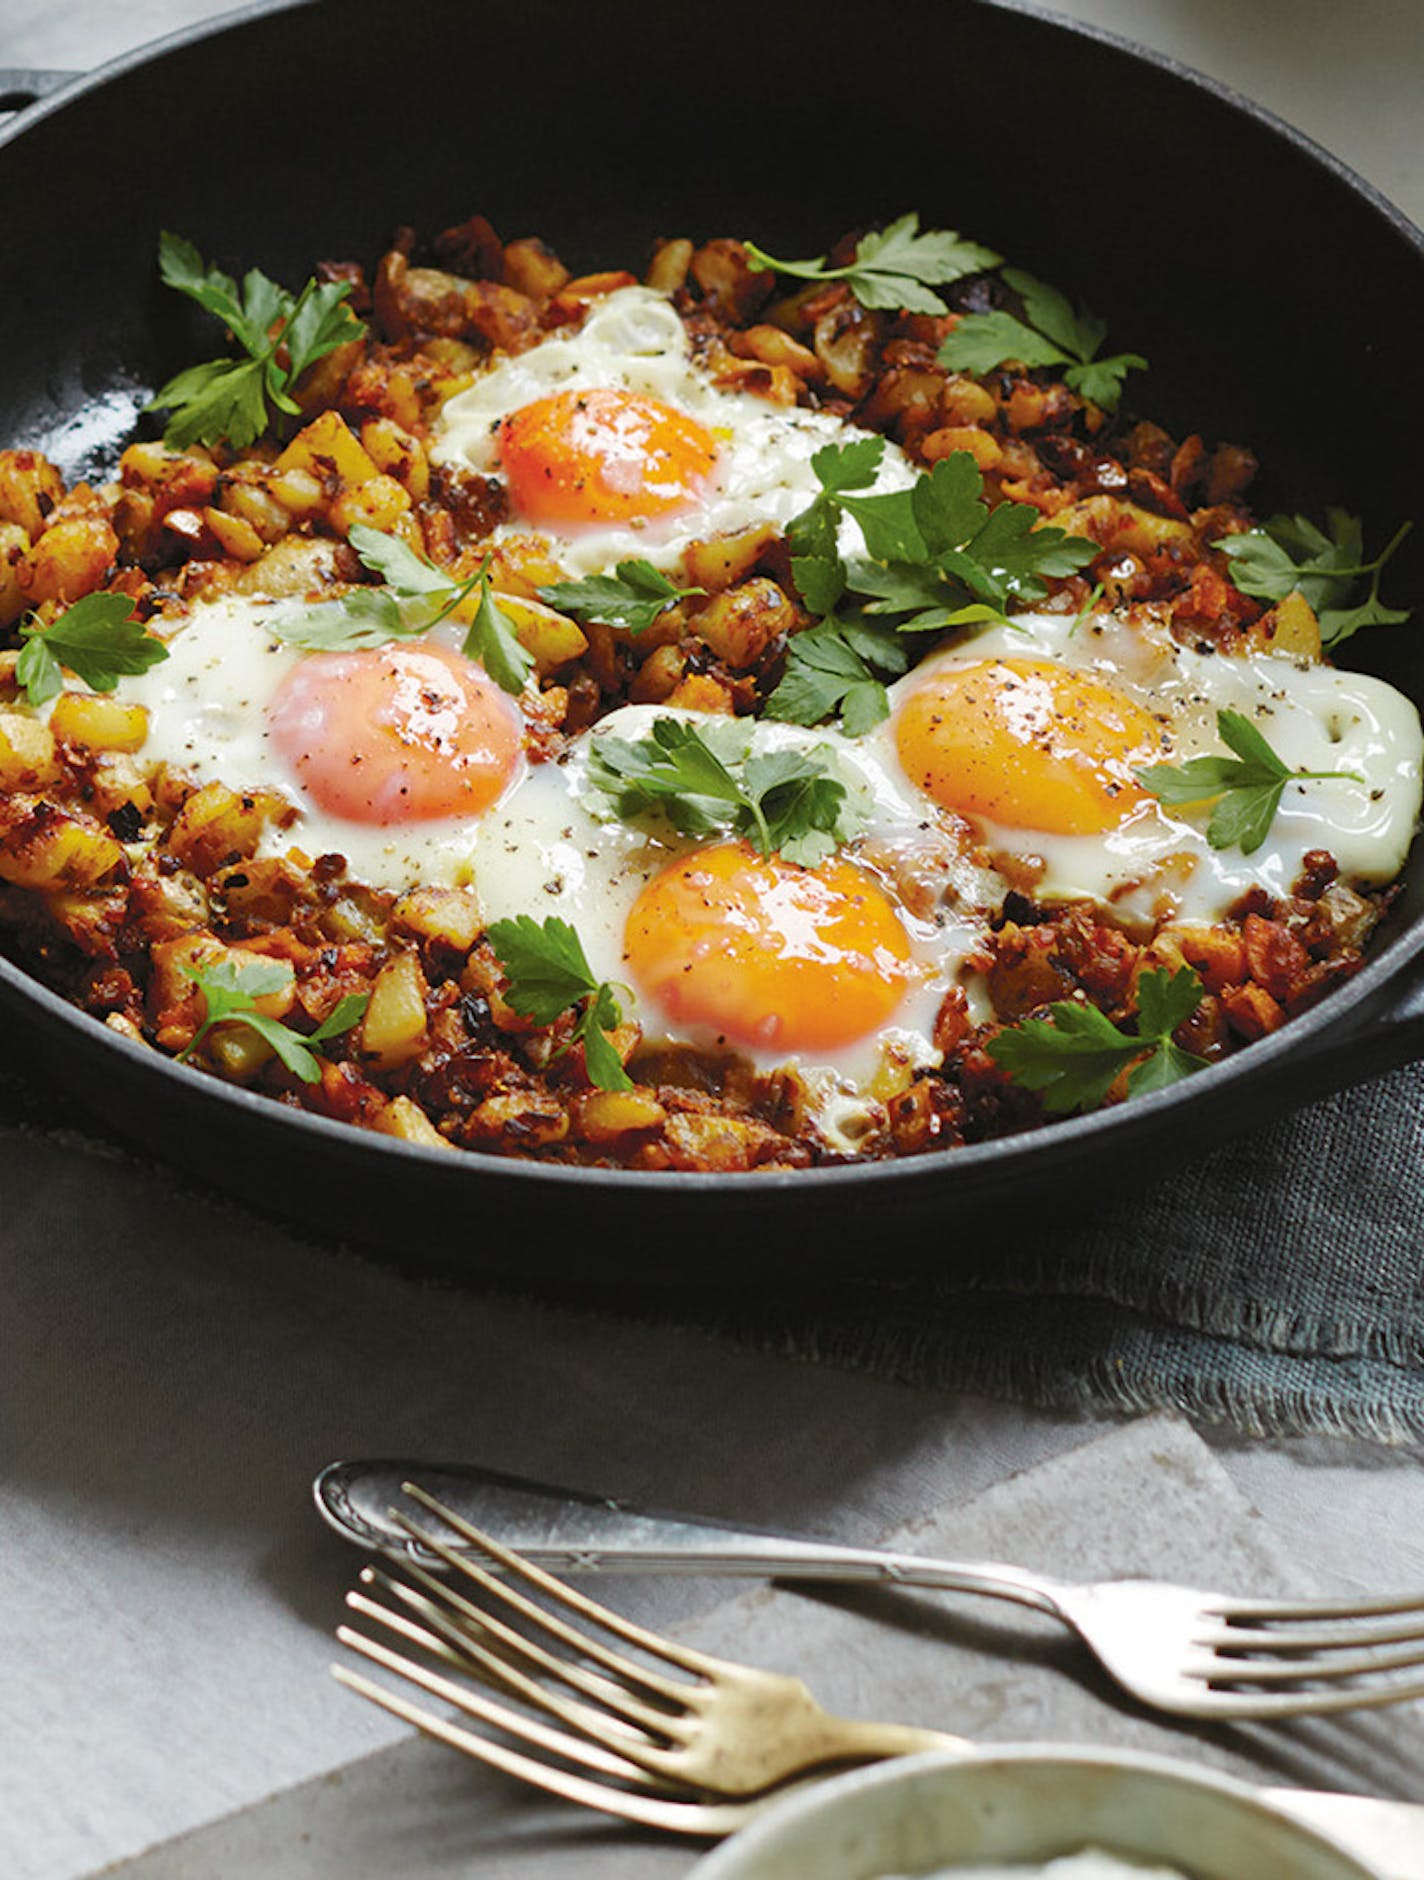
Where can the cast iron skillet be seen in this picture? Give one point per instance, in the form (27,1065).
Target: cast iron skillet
(1279,299)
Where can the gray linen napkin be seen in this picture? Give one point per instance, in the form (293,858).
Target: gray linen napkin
(1148,1499)
(1276,1285)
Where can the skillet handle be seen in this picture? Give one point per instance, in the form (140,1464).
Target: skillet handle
(20,89)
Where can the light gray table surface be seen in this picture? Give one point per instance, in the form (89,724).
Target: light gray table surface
(168,1594)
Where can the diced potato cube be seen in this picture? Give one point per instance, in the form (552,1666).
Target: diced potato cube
(551,638)
(740,624)
(409,1123)
(379,503)
(298,491)
(658,675)
(605,1115)
(667,271)
(30,486)
(68,560)
(533,1118)
(1290,627)
(533,269)
(252,503)
(393,1028)
(399,454)
(327,447)
(450,915)
(14,546)
(727,559)
(985,449)
(236,1052)
(217,826)
(42,847)
(235,536)
(27,753)
(99,724)
(298,565)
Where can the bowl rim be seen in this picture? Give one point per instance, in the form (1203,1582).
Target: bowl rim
(727,1861)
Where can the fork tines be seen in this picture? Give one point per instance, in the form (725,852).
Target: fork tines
(609,1743)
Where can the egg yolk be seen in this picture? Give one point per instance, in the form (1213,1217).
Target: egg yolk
(766,953)
(1028,743)
(603,456)
(399,734)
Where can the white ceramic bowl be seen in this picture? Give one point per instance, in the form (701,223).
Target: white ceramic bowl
(1026,1803)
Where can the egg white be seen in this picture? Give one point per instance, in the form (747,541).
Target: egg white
(633,340)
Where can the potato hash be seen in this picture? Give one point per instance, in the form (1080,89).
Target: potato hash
(750,714)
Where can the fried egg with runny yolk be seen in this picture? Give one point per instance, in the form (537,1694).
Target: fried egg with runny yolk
(396,734)
(604,455)
(1036,731)
(766,953)
(611,441)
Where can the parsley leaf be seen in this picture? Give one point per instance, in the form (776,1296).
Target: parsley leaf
(632,597)
(98,638)
(396,562)
(230,991)
(493,641)
(416,598)
(703,779)
(548,973)
(1290,554)
(935,553)
(229,398)
(1248,786)
(1075,1056)
(895,267)
(832,668)
(1052,333)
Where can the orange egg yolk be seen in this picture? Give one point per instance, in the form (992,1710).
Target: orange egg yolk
(603,456)
(766,953)
(1028,743)
(399,734)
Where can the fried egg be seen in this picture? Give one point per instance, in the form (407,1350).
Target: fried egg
(612,442)
(1036,732)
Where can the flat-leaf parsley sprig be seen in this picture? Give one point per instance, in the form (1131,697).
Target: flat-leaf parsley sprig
(1247,787)
(936,556)
(632,597)
(1291,555)
(547,974)
(704,779)
(1075,1055)
(835,667)
(99,639)
(1052,333)
(231,989)
(416,597)
(894,267)
(281,333)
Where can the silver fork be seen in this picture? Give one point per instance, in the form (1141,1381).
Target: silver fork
(1178,1649)
(655,1734)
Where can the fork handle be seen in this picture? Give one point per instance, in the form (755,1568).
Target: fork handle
(570,1532)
